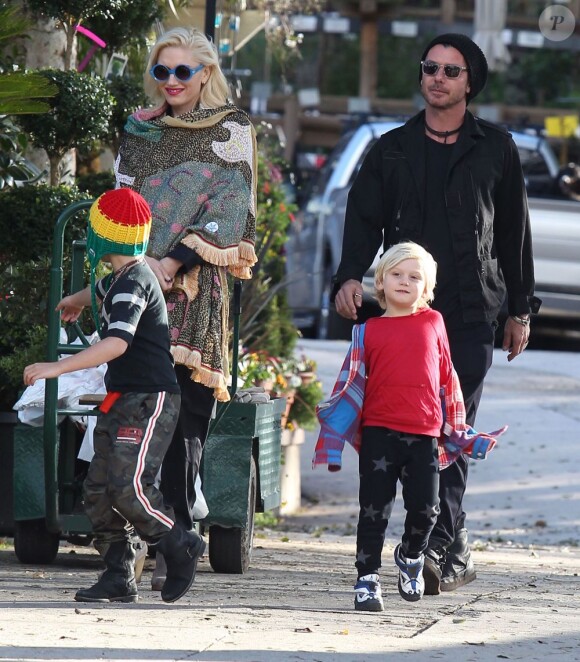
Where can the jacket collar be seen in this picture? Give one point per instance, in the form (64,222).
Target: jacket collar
(413,144)
(468,137)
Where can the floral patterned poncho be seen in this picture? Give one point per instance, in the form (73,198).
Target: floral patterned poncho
(197,172)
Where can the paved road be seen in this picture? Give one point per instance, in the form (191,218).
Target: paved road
(295,603)
(528,490)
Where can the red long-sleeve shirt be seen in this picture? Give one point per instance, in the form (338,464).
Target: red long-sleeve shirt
(407,362)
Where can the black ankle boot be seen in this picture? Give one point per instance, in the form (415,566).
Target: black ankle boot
(181,550)
(458,569)
(117,583)
(433,569)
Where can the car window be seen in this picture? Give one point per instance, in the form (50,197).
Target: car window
(367,149)
(533,163)
(318,184)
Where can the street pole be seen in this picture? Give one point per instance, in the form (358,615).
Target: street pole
(210,19)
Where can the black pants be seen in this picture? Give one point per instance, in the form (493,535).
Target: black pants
(181,463)
(472,354)
(386,457)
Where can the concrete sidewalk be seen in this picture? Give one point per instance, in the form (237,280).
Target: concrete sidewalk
(296,601)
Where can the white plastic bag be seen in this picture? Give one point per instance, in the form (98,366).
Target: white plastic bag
(200,509)
(71,386)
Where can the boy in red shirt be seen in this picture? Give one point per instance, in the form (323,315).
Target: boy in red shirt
(407,361)
(398,402)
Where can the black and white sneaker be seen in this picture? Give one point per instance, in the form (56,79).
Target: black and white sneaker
(368,594)
(411,583)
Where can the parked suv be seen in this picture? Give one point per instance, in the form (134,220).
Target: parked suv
(315,241)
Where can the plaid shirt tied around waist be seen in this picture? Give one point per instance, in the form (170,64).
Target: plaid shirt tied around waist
(340,416)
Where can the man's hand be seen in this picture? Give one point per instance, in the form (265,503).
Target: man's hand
(349,299)
(515,338)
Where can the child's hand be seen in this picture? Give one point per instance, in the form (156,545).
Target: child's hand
(41,371)
(70,312)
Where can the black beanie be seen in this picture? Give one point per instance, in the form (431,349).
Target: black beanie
(474,58)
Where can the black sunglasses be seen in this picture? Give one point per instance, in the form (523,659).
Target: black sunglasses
(430,68)
(182,72)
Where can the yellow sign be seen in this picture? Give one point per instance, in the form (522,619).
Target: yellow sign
(561,126)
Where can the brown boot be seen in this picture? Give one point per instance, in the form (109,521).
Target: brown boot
(159,573)
(433,569)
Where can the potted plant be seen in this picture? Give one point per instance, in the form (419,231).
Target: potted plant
(293,378)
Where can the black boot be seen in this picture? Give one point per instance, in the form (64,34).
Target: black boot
(117,583)
(433,568)
(181,550)
(458,569)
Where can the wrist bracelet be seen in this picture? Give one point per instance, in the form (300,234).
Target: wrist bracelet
(524,321)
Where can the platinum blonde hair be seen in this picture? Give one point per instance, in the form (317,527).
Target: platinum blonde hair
(215,92)
(407,250)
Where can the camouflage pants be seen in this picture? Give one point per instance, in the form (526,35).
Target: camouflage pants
(130,442)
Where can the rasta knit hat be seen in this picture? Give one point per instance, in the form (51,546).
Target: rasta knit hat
(119,223)
(474,58)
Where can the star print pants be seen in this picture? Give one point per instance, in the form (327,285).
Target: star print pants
(387,456)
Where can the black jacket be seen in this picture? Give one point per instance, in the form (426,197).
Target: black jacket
(487,211)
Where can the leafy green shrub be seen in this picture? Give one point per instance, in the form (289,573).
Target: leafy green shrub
(27,224)
(303,410)
(33,349)
(80,116)
(129,95)
(266,322)
(29,214)
(96,183)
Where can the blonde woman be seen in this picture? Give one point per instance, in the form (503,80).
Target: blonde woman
(192,156)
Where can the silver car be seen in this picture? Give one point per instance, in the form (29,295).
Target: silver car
(315,241)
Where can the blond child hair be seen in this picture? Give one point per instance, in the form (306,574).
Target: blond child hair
(407,250)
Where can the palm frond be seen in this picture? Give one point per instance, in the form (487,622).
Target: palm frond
(23,107)
(25,93)
(13,23)
(32,86)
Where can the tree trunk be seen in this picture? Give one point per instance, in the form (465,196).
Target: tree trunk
(46,49)
(55,170)
(448,11)
(369,36)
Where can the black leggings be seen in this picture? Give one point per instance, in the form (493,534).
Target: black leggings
(385,457)
(181,463)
